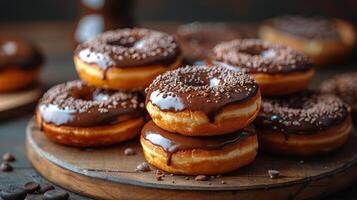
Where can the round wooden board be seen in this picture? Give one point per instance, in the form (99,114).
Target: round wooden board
(12,103)
(106,173)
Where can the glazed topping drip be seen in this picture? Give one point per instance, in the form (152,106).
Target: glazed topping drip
(18,53)
(172,143)
(310,28)
(344,86)
(77,104)
(200,88)
(258,56)
(198,39)
(306,112)
(128,48)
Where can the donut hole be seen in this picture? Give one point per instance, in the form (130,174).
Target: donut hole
(253,50)
(128,43)
(259,51)
(137,42)
(84,93)
(89,94)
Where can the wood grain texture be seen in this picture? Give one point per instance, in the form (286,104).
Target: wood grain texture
(107,173)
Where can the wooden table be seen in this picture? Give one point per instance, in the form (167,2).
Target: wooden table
(54,39)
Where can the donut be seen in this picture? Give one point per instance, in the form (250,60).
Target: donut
(325,41)
(345,87)
(126,59)
(180,154)
(77,114)
(303,124)
(20,63)
(279,70)
(197,39)
(202,100)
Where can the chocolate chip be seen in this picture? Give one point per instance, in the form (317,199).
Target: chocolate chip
(129,152)
(55,195)
(31,187)
(143,167)
(6,167)
(273,174)
(223,182)
(46,187)
(8,157)
(159,177)
(202,178)
(13,193)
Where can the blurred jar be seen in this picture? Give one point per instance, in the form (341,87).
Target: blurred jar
(97,16)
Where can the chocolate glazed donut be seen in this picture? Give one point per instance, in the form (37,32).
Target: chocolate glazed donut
(118,59)
(20,63)
(180,154)
(307,123)
(201,100)
(279,70)
(76,114)
(345,87)
(324,40)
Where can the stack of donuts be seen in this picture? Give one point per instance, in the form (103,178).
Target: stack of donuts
(107,105)
(201,118)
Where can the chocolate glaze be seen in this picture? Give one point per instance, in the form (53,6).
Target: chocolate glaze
(172,143)
(354,116)
(19,53)
(303,113)
(197,39)
(310,28)
(258,56)
(125,48)
(79,105)
(200,88)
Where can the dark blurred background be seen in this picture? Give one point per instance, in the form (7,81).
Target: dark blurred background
(184,11)
(57,26)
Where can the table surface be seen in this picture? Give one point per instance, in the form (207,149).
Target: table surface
(55,40)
